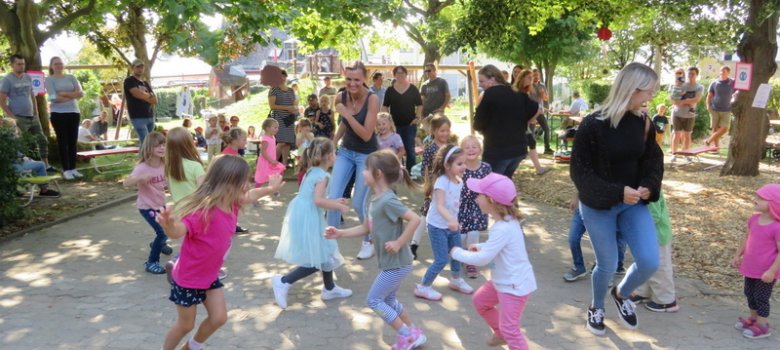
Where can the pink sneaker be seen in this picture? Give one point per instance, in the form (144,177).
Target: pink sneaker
(744,323)
(756,331)
(415,339)
(471,271)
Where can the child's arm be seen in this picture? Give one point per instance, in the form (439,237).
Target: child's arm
(413,221)
(737,260)
(275,184)
(769,275)
(441,207)
(323,202)
(486,252)
(357,231)
(133,180)
(173,228)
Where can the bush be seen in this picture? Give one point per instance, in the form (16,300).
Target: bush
(10,210)
(90,85)
(595,92)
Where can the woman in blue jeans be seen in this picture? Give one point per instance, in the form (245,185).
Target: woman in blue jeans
(617,168)
(358,107)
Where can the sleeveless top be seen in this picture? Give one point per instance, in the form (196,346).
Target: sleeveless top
(351,140)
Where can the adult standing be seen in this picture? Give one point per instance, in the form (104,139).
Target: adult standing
(502,117)
(18,101)
(140,99)
(358,108)
(719,105)
(64,91)
(281,99)
(617,168)
(684,111)
(539,94)
(435,92)
(184,104)
(377,79)
(404,103)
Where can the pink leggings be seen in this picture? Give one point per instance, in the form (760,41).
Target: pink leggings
(505,321)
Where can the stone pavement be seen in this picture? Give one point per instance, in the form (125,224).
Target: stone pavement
(81,285)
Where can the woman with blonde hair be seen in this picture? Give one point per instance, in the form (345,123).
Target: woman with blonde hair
(525,85)
(617,168)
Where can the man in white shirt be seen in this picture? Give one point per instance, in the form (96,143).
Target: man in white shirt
(577,104)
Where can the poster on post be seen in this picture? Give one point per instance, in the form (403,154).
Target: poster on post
(743,76)
(38,79)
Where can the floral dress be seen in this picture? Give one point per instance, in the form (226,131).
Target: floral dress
(469,215)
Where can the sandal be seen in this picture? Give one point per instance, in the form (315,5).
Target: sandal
(154,268)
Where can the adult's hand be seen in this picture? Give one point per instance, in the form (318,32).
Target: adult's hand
(630,196)
(644,192)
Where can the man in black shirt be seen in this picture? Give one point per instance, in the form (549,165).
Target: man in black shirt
(140,99)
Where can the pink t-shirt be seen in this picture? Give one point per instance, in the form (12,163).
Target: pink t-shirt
(761,248)
(230,150)
(204,247)
(151,194)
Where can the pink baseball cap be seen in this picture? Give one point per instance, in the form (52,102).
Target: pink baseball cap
(771,193)
(496,186)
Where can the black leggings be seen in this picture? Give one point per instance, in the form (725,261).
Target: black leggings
(66,127)
(542,120)
(758,293)
(302,272)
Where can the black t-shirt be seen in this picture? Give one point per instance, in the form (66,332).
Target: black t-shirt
(660,122)
(502,117)
(402,105)
(137,108)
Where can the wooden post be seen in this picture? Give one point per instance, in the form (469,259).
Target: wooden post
(472,82)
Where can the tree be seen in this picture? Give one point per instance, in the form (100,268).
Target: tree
(27,24)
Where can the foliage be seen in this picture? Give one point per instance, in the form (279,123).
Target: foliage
(701,126)
(774,98)
(595,92)
(88,104)
(10,210)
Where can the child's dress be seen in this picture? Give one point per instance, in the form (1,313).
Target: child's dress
(760,248)
(264,168)
(391,141)
(302,240)
(470,216)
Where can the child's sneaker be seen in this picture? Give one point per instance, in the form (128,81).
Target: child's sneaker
(574,274)
(427,292)
(757,331)
(280,291)
(471,271)
(154,268)
(626,309)
(336,292)
(415,339)
(744,323)
(460,285)
(223,273)
(595,322)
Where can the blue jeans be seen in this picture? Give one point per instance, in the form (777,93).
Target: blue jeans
(408,134)
(346,162)
(143,126)
(159,239)
(36,167)
(504,167)
(576,230)
(638,229)
(442,240)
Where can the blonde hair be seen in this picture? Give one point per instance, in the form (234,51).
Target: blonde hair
(439,166)
(660,107)
(387,163)
(470,138)
(506,210)
(151,141)
(438,121)
(388,118)
(234,134)
(301,124)
(315,154)
(631,79)
(223,186)
(518,83)
(490,71)
(268,122)
(250,131)
(179,146)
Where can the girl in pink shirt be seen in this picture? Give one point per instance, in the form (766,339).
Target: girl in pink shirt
(267,164)
(149,176)
(208,219)
(758,259)
(236,139)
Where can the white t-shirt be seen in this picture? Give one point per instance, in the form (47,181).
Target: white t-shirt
(451,201)
(84,135)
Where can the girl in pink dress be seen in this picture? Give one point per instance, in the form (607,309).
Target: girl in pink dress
(267,164)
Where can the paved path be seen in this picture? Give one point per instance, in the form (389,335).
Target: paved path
(80,285)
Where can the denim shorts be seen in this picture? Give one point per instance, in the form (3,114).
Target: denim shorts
(190,296)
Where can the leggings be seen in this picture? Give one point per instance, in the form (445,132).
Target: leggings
(382,295)
(301,272)
(66,126)
(758,293)
(505,319)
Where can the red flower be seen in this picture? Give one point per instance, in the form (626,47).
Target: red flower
(604,34)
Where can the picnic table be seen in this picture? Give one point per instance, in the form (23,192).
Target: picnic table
(125,152)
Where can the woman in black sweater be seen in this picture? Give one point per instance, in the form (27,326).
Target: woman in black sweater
(617,168)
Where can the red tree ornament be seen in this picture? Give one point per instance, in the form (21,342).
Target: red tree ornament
(604,34)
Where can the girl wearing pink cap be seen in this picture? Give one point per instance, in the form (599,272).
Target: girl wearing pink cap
(758,260)
(512,274)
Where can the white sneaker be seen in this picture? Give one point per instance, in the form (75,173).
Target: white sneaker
(76,173)
(280,291)
(460,285)
(427,292)
(366,251)
(68,175)
(674,159)
(336,292)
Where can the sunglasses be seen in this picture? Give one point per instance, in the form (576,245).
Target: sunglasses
(427,71)
(679,73)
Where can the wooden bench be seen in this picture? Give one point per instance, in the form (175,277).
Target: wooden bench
(695,152)
(30,185)
(93,155)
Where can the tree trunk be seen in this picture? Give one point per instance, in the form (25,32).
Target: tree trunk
(658,55)
(549,73)
(759,47)
(432,54)
(29,48)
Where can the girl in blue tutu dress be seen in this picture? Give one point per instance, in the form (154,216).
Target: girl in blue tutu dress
(302,241)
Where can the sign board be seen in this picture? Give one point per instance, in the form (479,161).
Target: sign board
(743,76)
(38,79)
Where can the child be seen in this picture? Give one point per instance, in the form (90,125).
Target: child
(758,260)
(386,215)
(213,137)
(512,274)
(303,138)
(267,164)
(386,135)
(183,167)
(24,164)
(444,186)
(200,140)
(302,242)
(149,176)
(223,123)
(251,135)
(234,122)
(440,131)
(323,120)
(236,140)
(207,218)
(660,121)
(471,219)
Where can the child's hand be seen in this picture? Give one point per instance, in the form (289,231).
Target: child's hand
(393,247)
(768,276)
(165,218)
(473,248)
(332,232)
(453,225)
(736,261)
(275,182)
